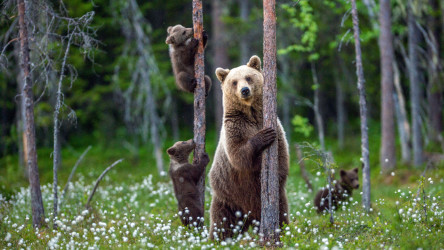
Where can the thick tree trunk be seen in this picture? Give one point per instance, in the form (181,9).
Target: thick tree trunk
(387,156)
(316,108)
(363,111)
(434,88)
(199,95)
(38,213)
(415,88)
(244,42)
(269,172)
(220,56)
(401,116)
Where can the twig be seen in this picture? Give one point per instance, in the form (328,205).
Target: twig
(99,179)
(65,189)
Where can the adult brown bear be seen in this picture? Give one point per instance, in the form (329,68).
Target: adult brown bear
(235,173)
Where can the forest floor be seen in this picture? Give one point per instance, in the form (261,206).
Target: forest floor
(134,207)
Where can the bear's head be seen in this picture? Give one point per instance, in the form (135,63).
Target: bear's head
(181,150)
(242,84)
(178,34)
(350,178)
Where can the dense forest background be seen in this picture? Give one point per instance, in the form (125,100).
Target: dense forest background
(118,88)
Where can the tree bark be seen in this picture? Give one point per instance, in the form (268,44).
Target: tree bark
(220,56)
(20,116)
(388,151)
(38,213)
(415,88)
(401,116)
(316,108)
(363,111)
(199,95)
(269,172)
(434,88)
(244,42)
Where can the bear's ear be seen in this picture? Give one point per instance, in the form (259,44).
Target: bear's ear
(255,62)
(221,74)
(169,29)
(356,170)
(171,151)
(170,40)
(342,172)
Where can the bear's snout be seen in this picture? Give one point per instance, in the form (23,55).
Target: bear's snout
(245,91)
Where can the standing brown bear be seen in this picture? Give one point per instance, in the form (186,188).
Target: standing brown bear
(342,190)
(185,177)
(182,49)
(235,173)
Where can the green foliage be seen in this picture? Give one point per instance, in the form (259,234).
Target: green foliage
(301,125)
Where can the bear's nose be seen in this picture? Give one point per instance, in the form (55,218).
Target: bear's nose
(357,186)
(245,91)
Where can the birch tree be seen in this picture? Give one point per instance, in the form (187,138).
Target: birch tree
(362,110)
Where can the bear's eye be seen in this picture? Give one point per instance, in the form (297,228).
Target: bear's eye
(248,79)
(234,83)
(183,33)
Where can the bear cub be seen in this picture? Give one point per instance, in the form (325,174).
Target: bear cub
(182,49)
(342,190)
(185,177)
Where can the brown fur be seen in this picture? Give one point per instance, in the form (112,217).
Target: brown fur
(235,173)
(185,177)
(342,191)
(183,48)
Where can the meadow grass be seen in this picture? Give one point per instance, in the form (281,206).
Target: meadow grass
(134,207)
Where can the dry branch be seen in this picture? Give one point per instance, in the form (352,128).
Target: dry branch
(71,175)
(303,170)
(98,181)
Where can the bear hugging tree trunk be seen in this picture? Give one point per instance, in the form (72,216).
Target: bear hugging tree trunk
(235,173)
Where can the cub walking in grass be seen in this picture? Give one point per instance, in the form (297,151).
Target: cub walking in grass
(342,190)
(185,177)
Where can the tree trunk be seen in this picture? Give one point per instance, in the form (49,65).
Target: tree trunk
(303,170)
(220,56)
(269,171)
(244,41)
(401,116)
(362,111)
(387,156)
(20,116)
(199,95)
(340,109)
(415,88)
(434,88)
(316,108)
(38,213)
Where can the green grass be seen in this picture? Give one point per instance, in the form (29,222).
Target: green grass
(134,207)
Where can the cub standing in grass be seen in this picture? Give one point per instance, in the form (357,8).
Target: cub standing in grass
(342,190)
(183,48)
(185,177)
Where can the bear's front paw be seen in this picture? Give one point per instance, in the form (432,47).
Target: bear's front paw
(264,138)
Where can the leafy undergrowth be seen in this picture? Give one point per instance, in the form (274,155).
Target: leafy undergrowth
(142,214)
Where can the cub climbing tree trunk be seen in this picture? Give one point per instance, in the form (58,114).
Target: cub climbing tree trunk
(269,172)
(363,112)
(38,213)
(199,94)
